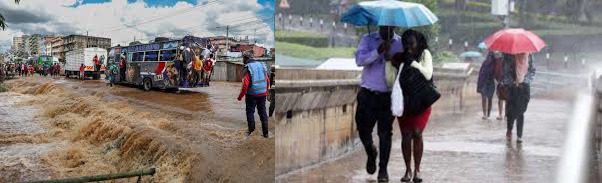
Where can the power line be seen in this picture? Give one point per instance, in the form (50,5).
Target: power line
(164,16)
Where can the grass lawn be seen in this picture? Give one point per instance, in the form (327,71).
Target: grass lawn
(297,34)
(308,52)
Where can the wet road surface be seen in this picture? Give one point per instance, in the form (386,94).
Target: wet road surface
(59,128)
(461,147)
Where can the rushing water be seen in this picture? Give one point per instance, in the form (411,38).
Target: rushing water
(58,128)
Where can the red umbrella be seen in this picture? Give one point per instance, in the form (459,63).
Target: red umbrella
(514,41)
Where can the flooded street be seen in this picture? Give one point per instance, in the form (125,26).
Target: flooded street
(461,147)
(59,128)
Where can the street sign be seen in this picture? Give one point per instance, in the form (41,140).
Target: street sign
(284,4)
(499,7)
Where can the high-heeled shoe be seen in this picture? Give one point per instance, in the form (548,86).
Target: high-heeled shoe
(407,177)
(416,178)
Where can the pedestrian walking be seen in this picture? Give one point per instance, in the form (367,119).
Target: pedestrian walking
(374,97)
(255,86)
(502,93)
(486,84)
(413,121)
(518,73)
(112,74)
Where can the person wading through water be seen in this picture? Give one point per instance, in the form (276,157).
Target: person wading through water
(255,86)
(374,97)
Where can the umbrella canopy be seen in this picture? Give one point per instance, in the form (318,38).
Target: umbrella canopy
(482,45)
(471,54)
(389,13)
(514,41)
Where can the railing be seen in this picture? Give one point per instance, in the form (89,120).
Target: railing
(96,178)
(580,160)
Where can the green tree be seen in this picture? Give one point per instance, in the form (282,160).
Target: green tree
(3,21)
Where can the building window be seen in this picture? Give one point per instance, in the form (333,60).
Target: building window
(345,108)
(289,114)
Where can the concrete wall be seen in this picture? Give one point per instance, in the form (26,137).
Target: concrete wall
(314,122)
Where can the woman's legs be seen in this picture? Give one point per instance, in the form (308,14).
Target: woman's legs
(489,103)
(418,149)
(406,149)
(500,105)
(484,105)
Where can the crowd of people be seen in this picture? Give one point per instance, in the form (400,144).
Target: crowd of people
(25,70)
(196,66)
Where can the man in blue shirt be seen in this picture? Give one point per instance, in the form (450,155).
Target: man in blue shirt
(374,97)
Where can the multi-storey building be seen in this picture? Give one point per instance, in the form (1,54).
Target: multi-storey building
(73,42)
(57,48)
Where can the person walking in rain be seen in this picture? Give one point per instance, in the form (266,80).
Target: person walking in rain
(518,72)
(374,97)
(486,84)
(502,94)
(255,86)
(415,56)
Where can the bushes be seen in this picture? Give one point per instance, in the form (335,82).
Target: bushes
(478,7)
(304,38)
(444,57)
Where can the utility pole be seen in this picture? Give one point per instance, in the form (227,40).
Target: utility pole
(227,39)
(87,39)
(255,36)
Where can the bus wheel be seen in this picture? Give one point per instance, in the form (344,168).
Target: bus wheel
(146,84)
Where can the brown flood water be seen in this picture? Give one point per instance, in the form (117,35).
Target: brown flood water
(59,128)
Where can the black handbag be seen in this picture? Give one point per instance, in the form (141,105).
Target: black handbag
(418,93)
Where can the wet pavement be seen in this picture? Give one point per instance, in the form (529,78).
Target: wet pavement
(59,128)
(461,147)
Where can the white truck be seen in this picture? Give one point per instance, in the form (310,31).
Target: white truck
(75,58)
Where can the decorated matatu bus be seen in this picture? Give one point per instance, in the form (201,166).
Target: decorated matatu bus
(155,65)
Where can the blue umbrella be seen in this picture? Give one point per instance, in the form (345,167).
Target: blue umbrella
(389,13)
(471,54)
(482,45)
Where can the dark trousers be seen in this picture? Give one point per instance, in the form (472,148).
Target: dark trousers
(259,103)
(122,74)
(516,105)
(375,108)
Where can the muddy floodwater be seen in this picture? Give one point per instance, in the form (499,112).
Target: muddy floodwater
(54,128)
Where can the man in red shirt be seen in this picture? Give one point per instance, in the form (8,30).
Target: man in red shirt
(207,69)
(255,85)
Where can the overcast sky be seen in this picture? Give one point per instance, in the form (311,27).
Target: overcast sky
(122,20)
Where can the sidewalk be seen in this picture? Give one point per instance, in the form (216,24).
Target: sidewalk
(465,148)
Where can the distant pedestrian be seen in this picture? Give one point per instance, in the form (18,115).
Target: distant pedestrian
(374,97)
(255,86)
(502,93)
(96,63)
(486,84)
(112,72)
(207,70)
(82,73)
(122,67)
(518,73)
